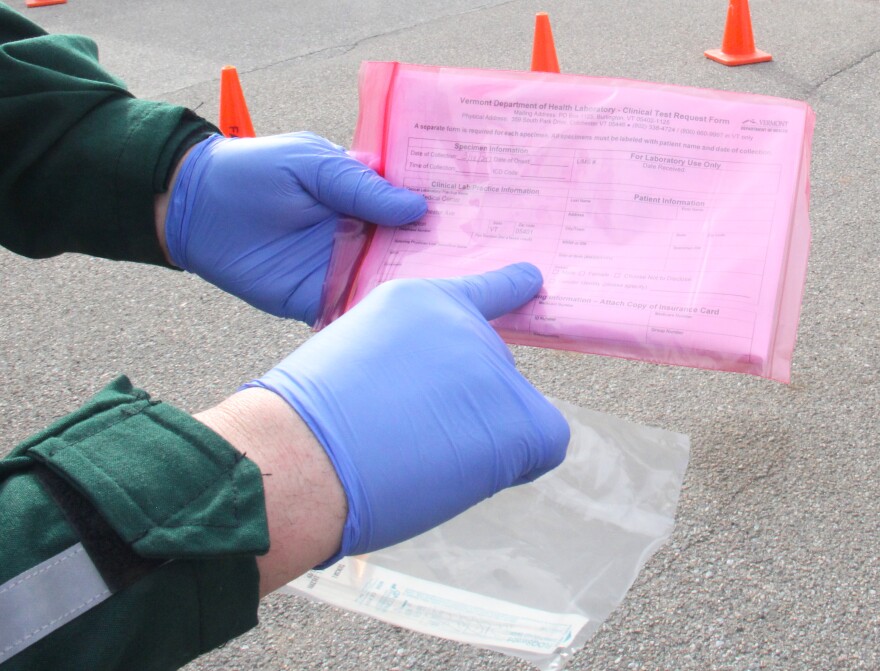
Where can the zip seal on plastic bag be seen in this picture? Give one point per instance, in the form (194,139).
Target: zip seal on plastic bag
(533,571)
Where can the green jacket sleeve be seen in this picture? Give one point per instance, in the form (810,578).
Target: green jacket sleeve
(170,514)
(186,504)
(81,158)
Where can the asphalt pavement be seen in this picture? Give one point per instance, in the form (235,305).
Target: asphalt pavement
(775,560)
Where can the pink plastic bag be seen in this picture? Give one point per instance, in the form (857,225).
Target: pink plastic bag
(670,223)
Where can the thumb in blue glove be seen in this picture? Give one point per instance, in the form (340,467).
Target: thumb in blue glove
(256,216)
(419,405)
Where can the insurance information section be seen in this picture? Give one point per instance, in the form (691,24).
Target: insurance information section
(670,223)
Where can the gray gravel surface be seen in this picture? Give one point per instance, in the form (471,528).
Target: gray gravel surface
(774,561)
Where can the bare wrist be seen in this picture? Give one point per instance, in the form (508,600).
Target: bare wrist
(305,502)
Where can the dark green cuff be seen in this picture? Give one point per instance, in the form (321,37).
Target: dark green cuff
(172,489)
(166,483)
(82,158)
(94,192)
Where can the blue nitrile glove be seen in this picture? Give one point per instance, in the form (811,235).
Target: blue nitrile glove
(256,216)
(419,405)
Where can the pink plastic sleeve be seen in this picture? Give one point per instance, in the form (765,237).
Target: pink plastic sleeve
(670,223)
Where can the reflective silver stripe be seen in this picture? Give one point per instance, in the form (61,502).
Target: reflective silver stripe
(47,596)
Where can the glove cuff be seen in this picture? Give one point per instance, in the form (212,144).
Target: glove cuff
(183,192)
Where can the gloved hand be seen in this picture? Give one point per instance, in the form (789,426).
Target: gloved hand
(419,405)
(256,216)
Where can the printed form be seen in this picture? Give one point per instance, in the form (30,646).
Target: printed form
(660,218)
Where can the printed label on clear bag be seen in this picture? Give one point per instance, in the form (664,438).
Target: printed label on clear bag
(439,610)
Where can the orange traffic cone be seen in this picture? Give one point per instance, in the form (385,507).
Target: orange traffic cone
(43,3)
(234,118)
(738,46)
(543,50)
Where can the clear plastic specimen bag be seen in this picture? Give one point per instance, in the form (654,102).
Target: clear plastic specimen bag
(533,571)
